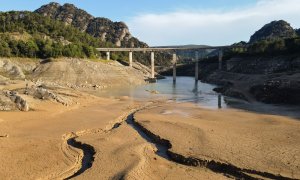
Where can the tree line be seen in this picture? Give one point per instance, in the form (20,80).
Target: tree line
(45,37)
(278,46)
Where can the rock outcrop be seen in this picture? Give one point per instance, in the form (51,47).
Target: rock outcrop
(79,73)
(5,102)
(265,79)
(273,30)
(19,101)
(10,69)
(13,69)
(103,28)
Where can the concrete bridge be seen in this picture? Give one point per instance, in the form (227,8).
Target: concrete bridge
(152,50)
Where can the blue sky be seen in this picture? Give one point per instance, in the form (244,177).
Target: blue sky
(122,10)
(174,22)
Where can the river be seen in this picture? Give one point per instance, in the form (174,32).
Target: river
(186,90)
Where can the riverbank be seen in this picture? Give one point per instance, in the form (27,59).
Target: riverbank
(55,141)
(25,81)
(90,138)
(151,132)
(268,79)
(73,72)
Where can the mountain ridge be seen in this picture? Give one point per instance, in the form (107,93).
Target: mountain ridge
(274,30)
(108,31)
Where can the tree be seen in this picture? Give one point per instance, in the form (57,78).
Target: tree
(277,45)
(4,49)
(89,51)
(57,50)
(259,47)
(32,49)
(48,38)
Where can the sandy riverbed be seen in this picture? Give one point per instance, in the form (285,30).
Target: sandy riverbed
(41,144)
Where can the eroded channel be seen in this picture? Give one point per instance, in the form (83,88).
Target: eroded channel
(88,156)
(229,170)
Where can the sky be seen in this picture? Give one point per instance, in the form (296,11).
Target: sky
(179,22)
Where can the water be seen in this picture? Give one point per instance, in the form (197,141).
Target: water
(186,90)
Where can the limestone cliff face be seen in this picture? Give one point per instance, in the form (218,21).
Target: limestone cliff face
(107,30)
(273,30)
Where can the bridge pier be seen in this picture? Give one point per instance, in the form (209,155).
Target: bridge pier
(220,59)
(152,65)
(219,101)
(196,66)
(108,55)
(174,67)
(130,58)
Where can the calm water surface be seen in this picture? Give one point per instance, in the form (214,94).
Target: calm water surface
(186,90)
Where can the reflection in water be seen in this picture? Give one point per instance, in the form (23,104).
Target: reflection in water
(220,101)
(174,91)
(187,90)
(196,93)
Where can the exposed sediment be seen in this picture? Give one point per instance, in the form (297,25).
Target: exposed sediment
(154,146)
(228,170)
(84,154)
(85,157)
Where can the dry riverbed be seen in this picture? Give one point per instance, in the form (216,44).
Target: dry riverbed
(115,138)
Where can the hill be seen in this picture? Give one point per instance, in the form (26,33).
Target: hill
(66,31)
(27,34)
(103,28)
(273,30)
(267,69)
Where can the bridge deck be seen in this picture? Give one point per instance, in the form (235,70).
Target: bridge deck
(153,49)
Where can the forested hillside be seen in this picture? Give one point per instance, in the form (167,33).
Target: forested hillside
(55,31)
(274,38)
(27,34)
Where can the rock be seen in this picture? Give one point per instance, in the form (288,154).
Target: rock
(5,103)
(273,30)
(20,102)
(23,105)
(278,91)
(109,31)
(219,89)
(153,91)
(11,69)
(230,92)
(96,86)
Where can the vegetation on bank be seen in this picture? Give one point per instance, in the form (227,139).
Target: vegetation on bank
(279,46)
(44,37)
(31,35)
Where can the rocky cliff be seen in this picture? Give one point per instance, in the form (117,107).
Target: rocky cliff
(103,28)
(273,30)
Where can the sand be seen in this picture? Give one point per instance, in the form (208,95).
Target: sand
(92,139)
(255,142)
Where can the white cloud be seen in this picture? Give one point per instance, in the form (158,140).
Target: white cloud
(212,27)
